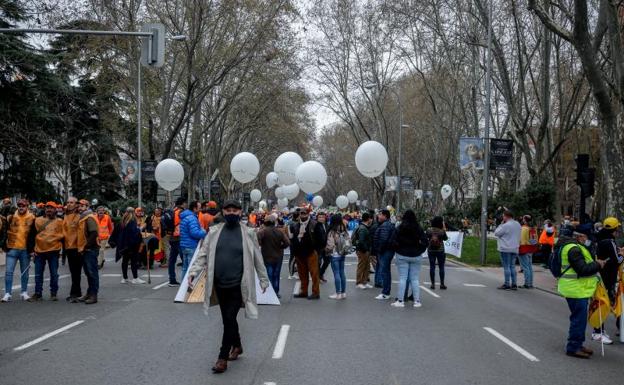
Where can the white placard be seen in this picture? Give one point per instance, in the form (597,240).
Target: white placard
(453,245)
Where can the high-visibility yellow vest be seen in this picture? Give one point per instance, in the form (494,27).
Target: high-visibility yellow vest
(570,285)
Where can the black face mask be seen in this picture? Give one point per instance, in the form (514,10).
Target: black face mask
(231,219)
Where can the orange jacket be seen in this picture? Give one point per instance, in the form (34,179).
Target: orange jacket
(83,230)
(253,219)
(105,227)
(205,220)
(176,222)
(70,230)
(49,234)
(19,229)
(546,239)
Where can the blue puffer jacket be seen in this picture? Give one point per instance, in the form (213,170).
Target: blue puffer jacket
(190,230)
(383,236)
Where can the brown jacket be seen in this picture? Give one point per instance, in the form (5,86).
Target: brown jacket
(272,242)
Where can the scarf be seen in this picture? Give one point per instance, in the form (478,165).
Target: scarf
(302,229)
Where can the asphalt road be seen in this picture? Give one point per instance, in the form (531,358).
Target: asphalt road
(137,335)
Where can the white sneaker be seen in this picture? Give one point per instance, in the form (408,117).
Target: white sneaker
(397,303)
(361,286)
(343,296)
(602,337)
(123,280)
(7,298)
(138,281)
(382,296)
(24,296)
(368,286)
(296,275)
(335,296)
(417,304)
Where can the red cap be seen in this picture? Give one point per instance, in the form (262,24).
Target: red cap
(212,205)
(51,204)
(84,202)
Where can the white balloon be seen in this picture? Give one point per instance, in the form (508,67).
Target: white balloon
(352,196)
(282,203)
(279,192)
(272,179)
(317,201)
(371,159)
(169,174)
(244,167)
(291,191)
(255,195)
(342,202)
(286,165)
(446,191)
(311,176)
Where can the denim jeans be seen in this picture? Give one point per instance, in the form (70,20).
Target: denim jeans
(273,271)
(383,265)
(89,258)
(52,259)
(409,269)
(338,267)
(187,255)
(174,251)
(12,257)
(508,260)
(526,262)
(578,323)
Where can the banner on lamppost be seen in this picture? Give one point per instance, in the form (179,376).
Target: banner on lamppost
(148,168)
(471,153)
(407,183)
(501,154)
(392,183)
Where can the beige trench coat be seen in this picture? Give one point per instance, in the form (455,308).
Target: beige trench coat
(252,258)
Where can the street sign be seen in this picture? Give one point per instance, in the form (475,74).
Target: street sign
(148,168)
(501,155)
(153,48)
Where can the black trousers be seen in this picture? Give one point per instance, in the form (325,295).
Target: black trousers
(230,301)
(75,269)
(324,261)
(131,256)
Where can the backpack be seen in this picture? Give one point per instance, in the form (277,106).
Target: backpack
(554,262)
(343,243)
(167,221)
(434,241)
(355,238)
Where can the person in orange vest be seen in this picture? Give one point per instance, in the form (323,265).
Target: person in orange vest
(205,217)
(19,247)
(253,218)
(70,248)
(48,236)
(105,229)
(88,249)
(547,241)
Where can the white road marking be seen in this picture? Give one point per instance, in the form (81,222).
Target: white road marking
(154,276)
(269,383)
(280,345)
(49,335)
(513,345)
(33,284)
(429,291)
(474,285)
(110,275)
(429,283)
(297,287)
(161,285)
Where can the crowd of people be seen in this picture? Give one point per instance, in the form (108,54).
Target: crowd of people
(581,256)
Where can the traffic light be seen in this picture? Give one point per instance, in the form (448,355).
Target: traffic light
(586,181)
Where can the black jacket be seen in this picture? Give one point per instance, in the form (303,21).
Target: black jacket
(409,241)
(577,260)
(364,239)
(320,232)
(308,244)
(607,249)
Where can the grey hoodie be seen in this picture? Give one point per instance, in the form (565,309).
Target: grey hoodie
(508,236)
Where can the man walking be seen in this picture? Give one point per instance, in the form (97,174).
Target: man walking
(191,233)
(70,248)
(49,234)
(230,254)
(508,241)
(577,284)
(272,244)
(20,244)
(88,249)
(363,243)
(105,229)
(303,245)
(172,221)
(384,252)
(321,229)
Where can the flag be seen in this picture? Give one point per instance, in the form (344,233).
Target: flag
(617,306)
(600,307)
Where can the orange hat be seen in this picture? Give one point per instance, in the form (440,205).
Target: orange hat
(84,202)
(212,205)
(51,204)
(40,205)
